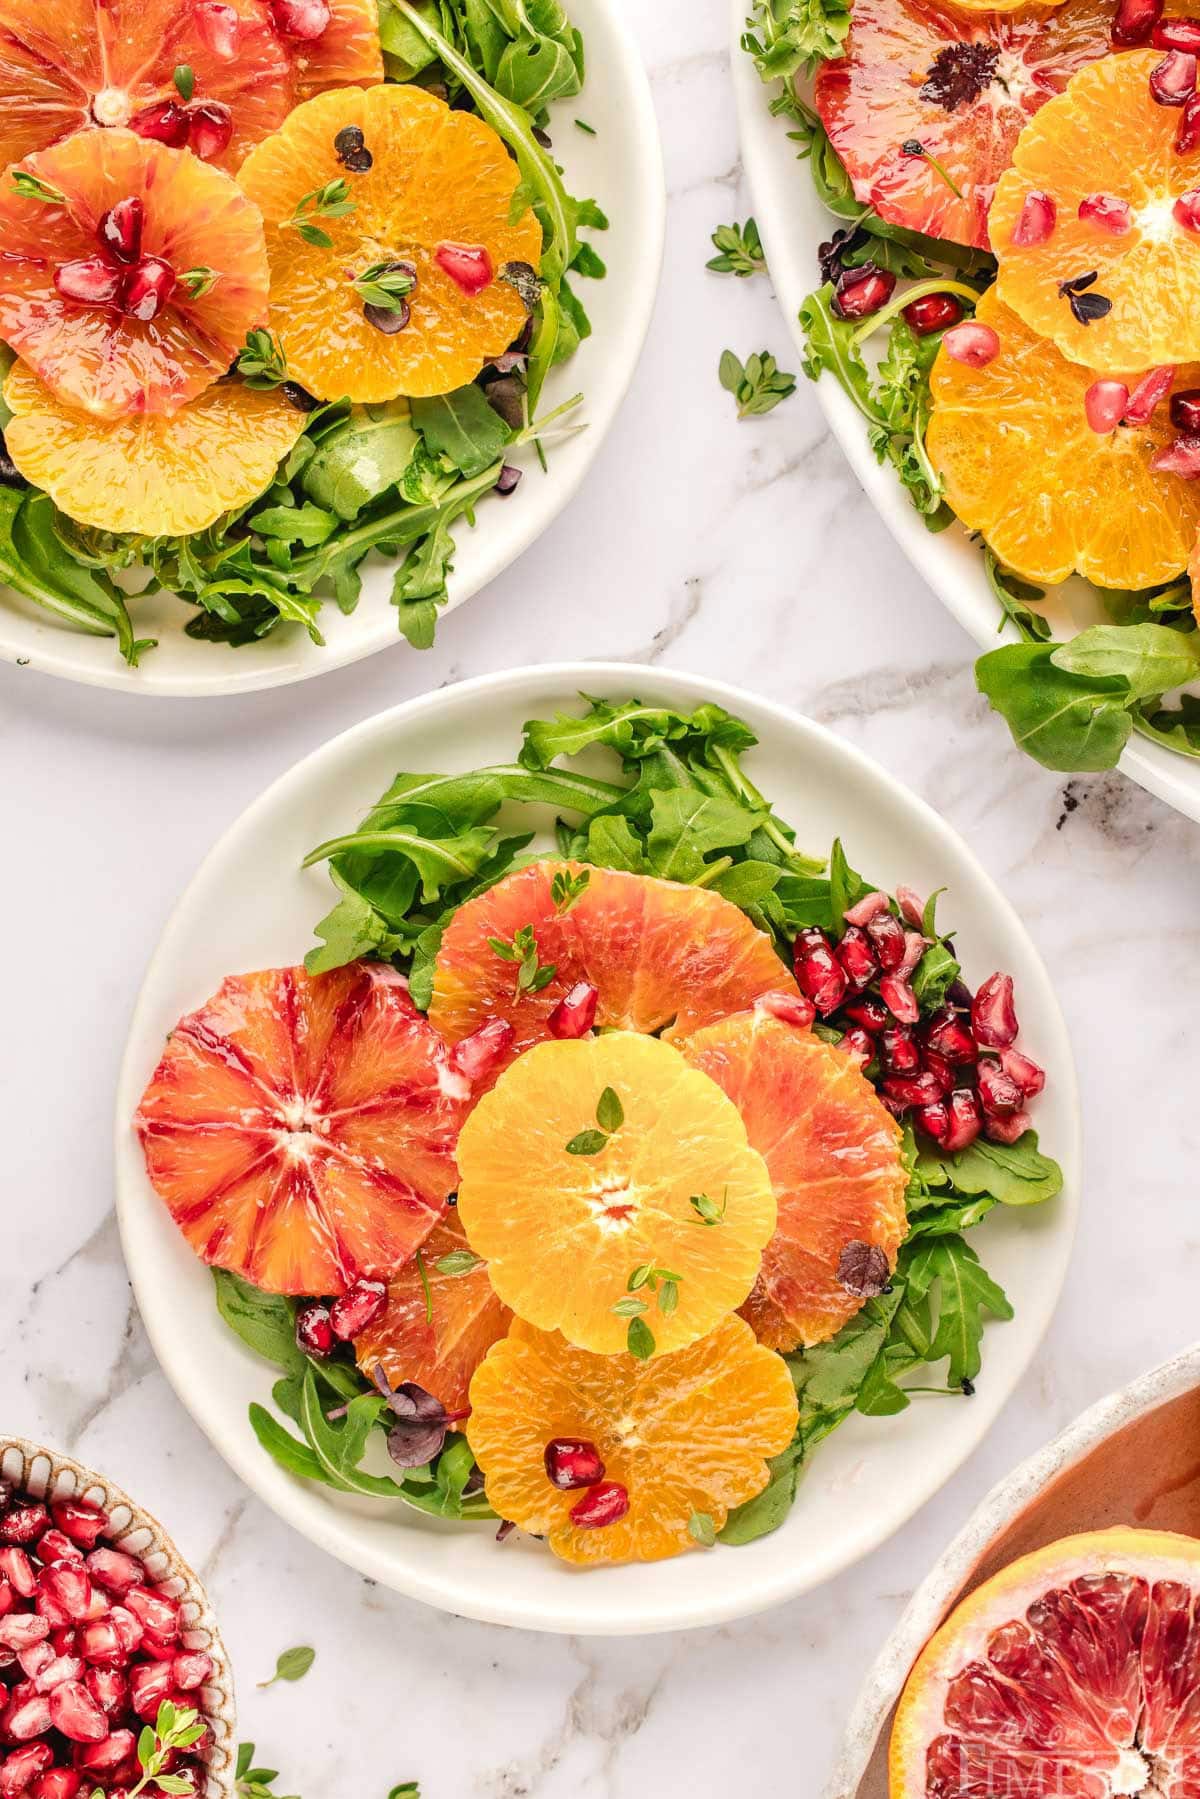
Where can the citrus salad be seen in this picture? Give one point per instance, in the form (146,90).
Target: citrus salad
(1012,305)
(283,281)
(606,1153)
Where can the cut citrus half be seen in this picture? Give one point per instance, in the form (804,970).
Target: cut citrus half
(662,956)
(685,1437)
(1022,465)
(441,1318)
(426,196)
(301,1128)
(927,102)
(153,475)
(75,64)
(1112,299)
(164,314)
(1071,1674)
(583,1165)
(833,1154)
(332,43)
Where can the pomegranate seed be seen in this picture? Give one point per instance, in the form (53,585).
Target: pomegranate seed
(971,343)
(16,1567)
(859,1045)
(900,999)
(7,1600)
(355,1310)
(193,1668)
(1179,458)
(210,127)
(1146,395)
(1185,413)
(83,1523)
(24,1524)
(1106,211)
(915,946)
(946,1034)
(62,1641)
(219,28)
(867,909)
(68,1587)
(575,1013)
(56,1547)
(999,1094)
(860,292)
(27,1718)
(1188,135)
(20,1629)
(870,1013)
(154,1612)
(106,1757)
(934,1120)
(941,1070)
(572,1462)
(59,1783)
(1177,34)
(108,1687)
(992,1015)
(305,19)
(898,1050)
(1028,1076)
(1035,221)
(469,266)
(1104,403)
(35,1657)
(113,1571)
(23,1767)
(789,1008)
(119,232)
(314,1330)
(1186,210)
(57,1671)
(1174,78)
(965,1120)
(76,1714)
(887,940)
(147,287)
(855,955)
(1134,22)
(100,1643)
(912,907)
(1008,1130)
(478,1054)
(933,312)
(822,978)
(149,1684)
(165,122)
(158,1649)
(128,1628)
(913,1089)
(601,1505)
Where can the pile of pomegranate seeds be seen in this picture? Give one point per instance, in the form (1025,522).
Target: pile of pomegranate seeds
(204,126)
(90,1648)
(139,286)
(571,1462)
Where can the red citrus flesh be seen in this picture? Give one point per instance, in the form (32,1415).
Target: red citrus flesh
(301,1129)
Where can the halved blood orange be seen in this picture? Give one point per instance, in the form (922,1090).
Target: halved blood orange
(332,43)
(79,63)
(1072,1674)
(958,82)
(435,197)
(685,1436)
(1113,300)
(833,1154)
(664,957)
(167,315)
(1022,465)
(564,1208)
(440,1320)
(153,475)
(301,1128)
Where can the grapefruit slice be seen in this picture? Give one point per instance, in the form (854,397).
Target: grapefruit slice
(1071,1674)
(565,1195)
(685,1437)
(155,476)
(1138,299)
(664,957)
(1022,465)
(76,64)
(428,194)
(332,43)
(440,1320)
(167,313)
(833,1154)
(301,1128)
(961,84)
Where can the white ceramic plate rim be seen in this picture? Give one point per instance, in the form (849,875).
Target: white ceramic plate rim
(953,567)
(767,1574)
(603,369)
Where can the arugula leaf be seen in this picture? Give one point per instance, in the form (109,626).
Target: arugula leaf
(36,562)
(688,826)
(1018,599)
(1014,1174)
(363,458)
(439,861)
(265,1322)
(967,1292)
(462,427)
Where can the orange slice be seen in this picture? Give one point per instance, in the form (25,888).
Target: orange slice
(154,476)
(438,181)
(1105,135)
(1022,466)
(833,1154)
(103,356)
(687,1436)
(301,1128)
(1071,1674)
(74,64)
(563,1229)
(344,51)
(436,1339)
(664,957)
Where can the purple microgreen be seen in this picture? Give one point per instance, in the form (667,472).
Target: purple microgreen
(863,1269)
(959,73)
(421,1422)
(1085,307)
(350,148)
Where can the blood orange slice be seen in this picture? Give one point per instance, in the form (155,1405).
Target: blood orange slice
(332,43)
(166,313)
(958,84)
(833,1154)
(441,1318)
(684,1437)
(301,1129)
(1072,1674)
(663,957)
(79,63)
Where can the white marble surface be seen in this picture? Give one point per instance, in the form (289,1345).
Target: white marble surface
(744,550)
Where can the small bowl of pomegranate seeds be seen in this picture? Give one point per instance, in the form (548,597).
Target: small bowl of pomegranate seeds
(104,1631)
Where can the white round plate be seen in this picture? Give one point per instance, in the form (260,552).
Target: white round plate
(793,222)
(251,906)
(621,167)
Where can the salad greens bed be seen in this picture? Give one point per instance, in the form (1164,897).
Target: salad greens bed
(395,478)
(677,803)
(1072,706)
